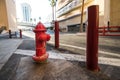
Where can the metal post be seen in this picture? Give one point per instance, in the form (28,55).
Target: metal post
(20,33)
(82,11)
(56,34)
(92,38)
(53,13)
(104,31)
(108,24)
(10,35)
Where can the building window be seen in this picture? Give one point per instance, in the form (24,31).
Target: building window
(26,10)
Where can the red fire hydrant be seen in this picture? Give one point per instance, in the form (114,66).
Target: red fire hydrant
(41,37)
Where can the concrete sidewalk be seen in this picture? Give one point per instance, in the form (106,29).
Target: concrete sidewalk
(60,66)
(7,47)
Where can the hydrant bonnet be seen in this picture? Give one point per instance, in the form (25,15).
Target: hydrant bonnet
(39,27)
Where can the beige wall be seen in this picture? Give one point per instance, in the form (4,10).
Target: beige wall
(106,12)
(75,20)
(109,10)
(71,21)
(3,14)
(11,9)
(70,18)
(8,14)
(74,11)
(102,21)
(62,3)
(115,13)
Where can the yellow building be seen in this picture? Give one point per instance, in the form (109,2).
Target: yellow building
(114,12)
(69,13)
(8,14)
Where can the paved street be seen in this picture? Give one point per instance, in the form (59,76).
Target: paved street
(109,46)
(63,64)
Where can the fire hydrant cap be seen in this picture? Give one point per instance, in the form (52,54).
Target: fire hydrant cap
(40,27)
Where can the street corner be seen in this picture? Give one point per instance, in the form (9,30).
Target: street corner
(23,67)
(53,69)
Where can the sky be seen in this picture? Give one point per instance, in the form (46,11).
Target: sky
(40,8)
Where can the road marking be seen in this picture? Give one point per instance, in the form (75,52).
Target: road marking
(54,54)
(82,48)
(25,52)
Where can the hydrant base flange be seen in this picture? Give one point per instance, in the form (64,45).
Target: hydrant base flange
(41,59)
